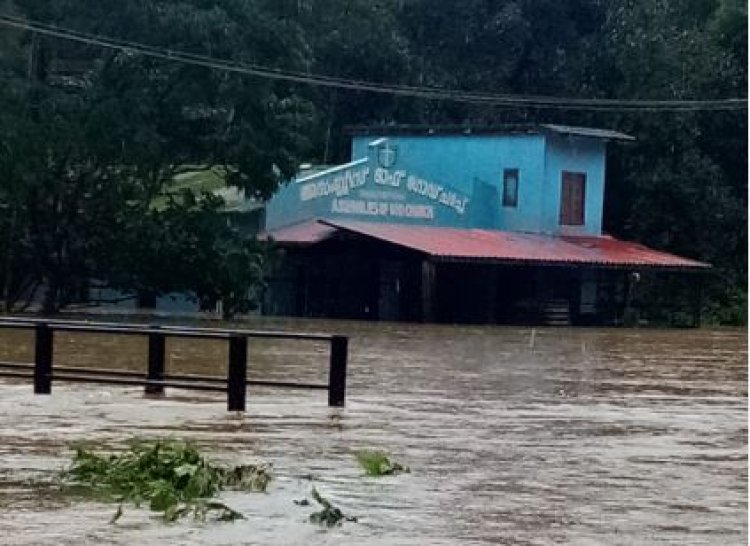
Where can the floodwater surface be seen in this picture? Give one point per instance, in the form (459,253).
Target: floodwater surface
(513,436)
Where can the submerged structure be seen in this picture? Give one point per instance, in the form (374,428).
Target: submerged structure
(448,224)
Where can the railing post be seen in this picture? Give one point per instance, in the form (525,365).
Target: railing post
(155,363)
(43,359)
(237,373)
(337,373)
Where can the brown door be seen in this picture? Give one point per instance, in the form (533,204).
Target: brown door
(573,199)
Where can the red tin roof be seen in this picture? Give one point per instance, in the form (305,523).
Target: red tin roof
(304,233)
(456,244)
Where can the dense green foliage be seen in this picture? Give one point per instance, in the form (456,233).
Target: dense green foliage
(173,478)
(91,138)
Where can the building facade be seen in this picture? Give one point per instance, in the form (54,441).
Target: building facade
(458,225)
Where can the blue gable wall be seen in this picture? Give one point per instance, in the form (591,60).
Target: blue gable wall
(583,155)
(449,180)
(290,206)
(472,163)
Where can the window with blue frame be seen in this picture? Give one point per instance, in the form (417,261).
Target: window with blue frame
(510,188)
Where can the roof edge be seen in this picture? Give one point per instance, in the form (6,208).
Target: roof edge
(467,129)
(331,170)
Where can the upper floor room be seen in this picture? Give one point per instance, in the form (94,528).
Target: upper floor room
(532,178)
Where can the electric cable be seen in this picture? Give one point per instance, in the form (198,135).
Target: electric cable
(430,93)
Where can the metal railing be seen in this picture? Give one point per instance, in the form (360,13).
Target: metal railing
(155,379)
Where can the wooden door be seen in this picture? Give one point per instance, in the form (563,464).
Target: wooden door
(573,199)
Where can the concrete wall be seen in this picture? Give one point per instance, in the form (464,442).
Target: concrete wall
(174,302)
(449,180)
(366,190)
(472,163)
(583,155)
(290,206)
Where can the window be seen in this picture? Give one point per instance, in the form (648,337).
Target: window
(510,188)
(573,199)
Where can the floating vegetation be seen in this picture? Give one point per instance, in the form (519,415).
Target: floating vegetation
(171,477)
(329,515)
(377,463)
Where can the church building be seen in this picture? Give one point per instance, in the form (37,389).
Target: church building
(449,224)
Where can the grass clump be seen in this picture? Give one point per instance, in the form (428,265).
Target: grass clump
(171,477)
(377,463)
(329,515)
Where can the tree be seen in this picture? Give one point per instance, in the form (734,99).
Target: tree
(118,125)
(188,246)
(357,40)
(683,186)
(88,150)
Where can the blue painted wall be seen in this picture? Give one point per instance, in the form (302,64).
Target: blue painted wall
(449,180)
(465,160)
(290,206)
(574,154)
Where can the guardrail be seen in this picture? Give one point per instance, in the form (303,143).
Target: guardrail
(155,379)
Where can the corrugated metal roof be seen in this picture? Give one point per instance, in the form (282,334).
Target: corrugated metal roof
(453,244)
(586,132)
(305,233)
(512,128)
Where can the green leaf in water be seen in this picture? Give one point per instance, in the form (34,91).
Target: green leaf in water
(173,477)
(186,469)
(377,463)
(329,515)
(163,500)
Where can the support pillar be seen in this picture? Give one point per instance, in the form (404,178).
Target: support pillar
(43,359)
(698,301)
(337,371)
(631,315)
(625,314)
(428,291)
(156,357)
(303,293)
(490,293)
(237,373)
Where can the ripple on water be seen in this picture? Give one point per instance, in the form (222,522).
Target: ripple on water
(581,436)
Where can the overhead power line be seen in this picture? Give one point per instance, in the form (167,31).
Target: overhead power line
(430,93)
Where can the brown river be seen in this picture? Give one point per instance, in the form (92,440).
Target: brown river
(513,436)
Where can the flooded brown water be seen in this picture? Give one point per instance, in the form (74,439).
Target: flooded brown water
(581,436)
